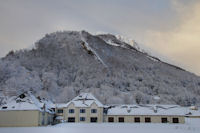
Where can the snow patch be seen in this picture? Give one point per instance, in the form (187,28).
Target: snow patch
(89,48)
(112,43)
(131,42)
(151,110)
(191,126)
(153,59)
(156,98)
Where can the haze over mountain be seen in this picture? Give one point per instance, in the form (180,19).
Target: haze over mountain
(63,64)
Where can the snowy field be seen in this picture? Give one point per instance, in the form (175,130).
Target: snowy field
(191,126)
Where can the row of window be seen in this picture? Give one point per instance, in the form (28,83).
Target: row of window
(121,119)
(71,111)
(82,119)
(147,119)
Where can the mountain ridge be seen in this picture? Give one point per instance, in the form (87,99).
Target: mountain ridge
(63,64)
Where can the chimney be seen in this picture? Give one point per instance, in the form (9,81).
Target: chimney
(155,109)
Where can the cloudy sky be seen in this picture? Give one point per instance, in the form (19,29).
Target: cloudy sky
(169,29)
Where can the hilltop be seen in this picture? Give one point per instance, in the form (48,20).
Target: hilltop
(63,64)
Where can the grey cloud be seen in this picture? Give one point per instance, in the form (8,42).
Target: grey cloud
(25,21)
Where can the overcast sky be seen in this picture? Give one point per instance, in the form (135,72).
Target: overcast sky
(169,29)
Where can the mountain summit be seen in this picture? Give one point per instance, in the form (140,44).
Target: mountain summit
(64,64)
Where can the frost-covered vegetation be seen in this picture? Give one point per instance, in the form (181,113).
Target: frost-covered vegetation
(63,64)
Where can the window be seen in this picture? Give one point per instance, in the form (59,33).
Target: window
(175,120)
(147,119)
(71,119)
(71,111)
(121,119)
(137,119)
(93,110)
(4,107)
(93,119)
(82,110)
(82,118)
(110,119)
(164,120)
(60,111)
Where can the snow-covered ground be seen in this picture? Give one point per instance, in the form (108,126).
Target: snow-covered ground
(191,126)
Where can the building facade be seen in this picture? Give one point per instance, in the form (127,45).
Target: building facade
(25,111)
(84,108)
(145,114)
(144,119)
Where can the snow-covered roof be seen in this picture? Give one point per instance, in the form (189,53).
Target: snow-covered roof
(49,106)
(85,100)
(59,118)
(22,102)
(27,101)
(151,110)
(61,105)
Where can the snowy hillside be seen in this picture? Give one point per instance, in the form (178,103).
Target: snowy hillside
(63,64)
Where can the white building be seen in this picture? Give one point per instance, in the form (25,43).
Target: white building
(86,108)
(146,114)
(27,110)
(83,108)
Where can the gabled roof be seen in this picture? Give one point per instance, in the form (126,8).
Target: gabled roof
(151,110)
(84,100)
(61,105)
(26,101)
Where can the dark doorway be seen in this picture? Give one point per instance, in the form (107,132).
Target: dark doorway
(93,119)
(147,119)
(71,119)
(164,120)
(137,119)
(175,120)
(121,119)
(110,119)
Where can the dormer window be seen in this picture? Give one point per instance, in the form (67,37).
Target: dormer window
(71,111)
(22,96)
(82,110)
(60,110)
(93,110)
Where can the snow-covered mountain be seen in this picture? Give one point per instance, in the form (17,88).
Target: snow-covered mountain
(63,64)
